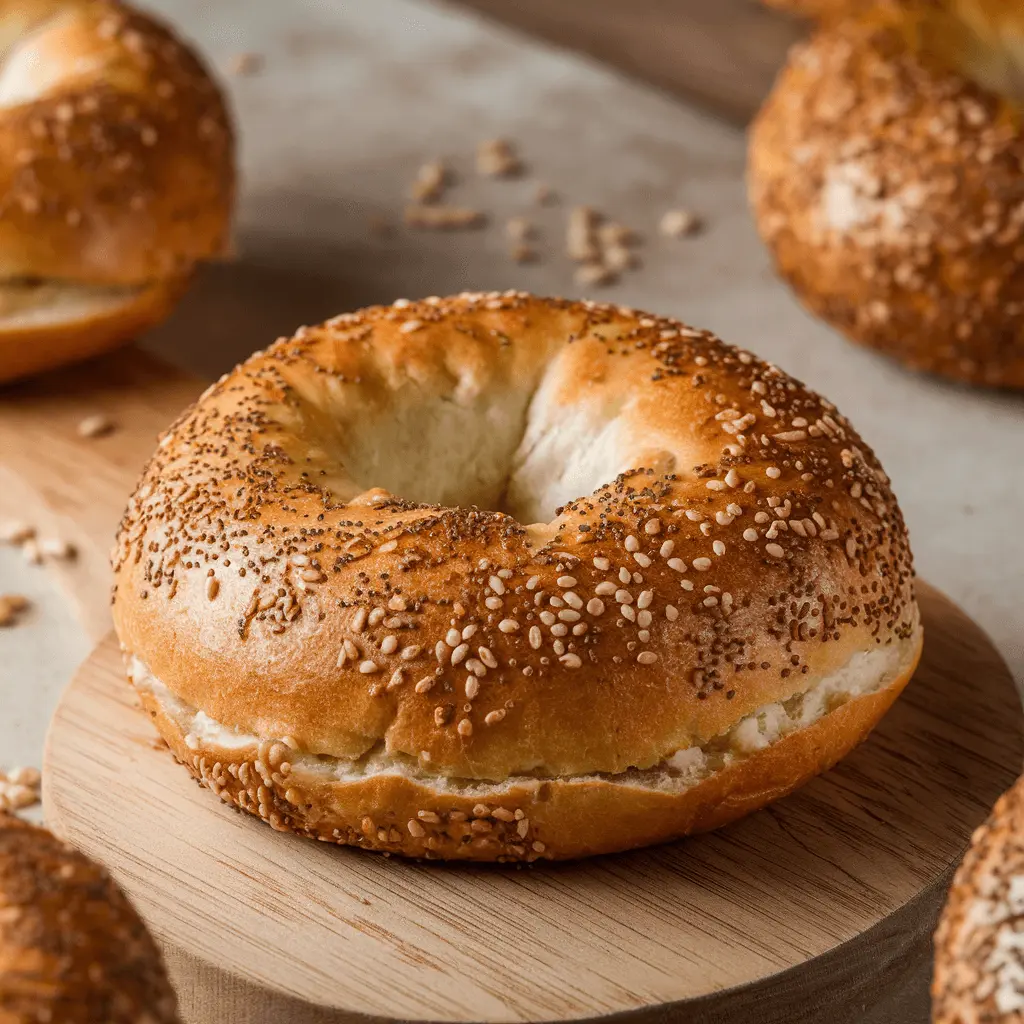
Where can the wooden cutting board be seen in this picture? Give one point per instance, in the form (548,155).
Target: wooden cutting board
(819,908)
(724,54)
(76,488)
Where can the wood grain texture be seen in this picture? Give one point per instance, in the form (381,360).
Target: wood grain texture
(819,908)
(76,488)
(722,53)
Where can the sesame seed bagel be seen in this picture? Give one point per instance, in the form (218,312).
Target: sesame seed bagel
(501,577)
(979,961)
(72,948)
(116,172)
(886,182)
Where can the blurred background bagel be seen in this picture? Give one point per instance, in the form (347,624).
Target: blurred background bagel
(116,177)
(885,177)
(72,948)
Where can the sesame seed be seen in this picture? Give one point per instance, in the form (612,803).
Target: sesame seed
(667,548)
(572,599)
(493,603)
(368,667)
(416,830)
(389,644)
(602,563)
(96,425)
(642,560)
(702,564)
(492,718)
(212,587)
(497,585)
(465,727)
(715,485)
(595,606)
(459,653)
(536,637)
(410,652)
(632,544)
(627,612)
(571,660)
(472,687)
(732,478)
(625,575)
(677,564)
(531,583)
(645,599)
(647,657)
(652,526)
(487,657)
(718,547)
(410,325)
(566,581)
(604,588)
(623,597)
(671,612)
(508,625)
(396,679)
(775,550)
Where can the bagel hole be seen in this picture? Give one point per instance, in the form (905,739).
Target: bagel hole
(524,451)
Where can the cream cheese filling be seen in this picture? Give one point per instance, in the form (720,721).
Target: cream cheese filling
(866,672)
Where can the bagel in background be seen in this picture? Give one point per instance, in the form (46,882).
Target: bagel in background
(885,178)
(116,177)
(497,577)
(979,950)
(72,948)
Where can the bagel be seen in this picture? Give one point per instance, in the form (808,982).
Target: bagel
(884,174)
(979,965)
(498,577)
(72,948)
(116,177)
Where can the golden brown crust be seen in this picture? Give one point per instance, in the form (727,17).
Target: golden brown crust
(749,545)
(116,155)
(526,820)
(30,345)
(979,962)
(889,192)
(72,948)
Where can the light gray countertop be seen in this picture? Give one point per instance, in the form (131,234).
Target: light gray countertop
(355,96)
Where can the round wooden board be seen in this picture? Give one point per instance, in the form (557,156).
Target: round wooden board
(818,908)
